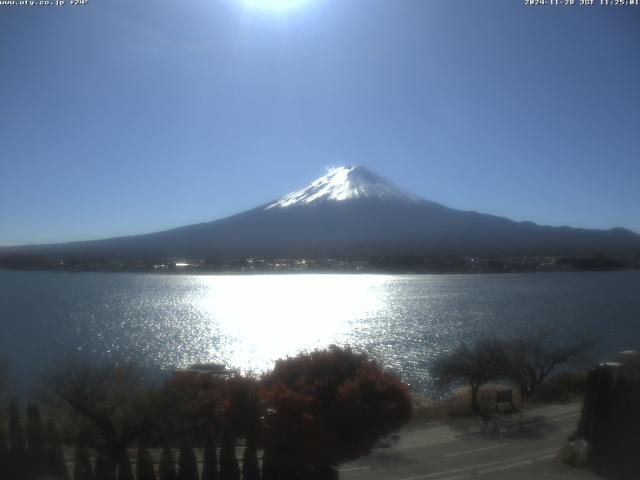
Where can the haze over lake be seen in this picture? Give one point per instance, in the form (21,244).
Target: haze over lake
(249,321)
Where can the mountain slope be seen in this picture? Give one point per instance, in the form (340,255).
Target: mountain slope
(353,211)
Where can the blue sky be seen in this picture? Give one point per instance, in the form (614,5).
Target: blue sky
(123,117)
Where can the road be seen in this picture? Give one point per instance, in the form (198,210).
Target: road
(522,446)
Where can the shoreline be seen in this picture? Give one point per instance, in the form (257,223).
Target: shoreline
(307,272)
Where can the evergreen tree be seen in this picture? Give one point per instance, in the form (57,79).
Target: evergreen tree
(229,469)
(144,466)
(250,466)
(124,467)
(104,469)
(82,467)
(167,466)
(17,448)
(269,466)
(36,451)
(209,459)
(56,465)
(188,465)
(4,454)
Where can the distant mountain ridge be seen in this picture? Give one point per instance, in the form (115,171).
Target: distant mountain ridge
(352,211)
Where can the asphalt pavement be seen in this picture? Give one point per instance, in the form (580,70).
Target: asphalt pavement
(522,445)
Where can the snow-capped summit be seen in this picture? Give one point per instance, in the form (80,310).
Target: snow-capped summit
(345,183)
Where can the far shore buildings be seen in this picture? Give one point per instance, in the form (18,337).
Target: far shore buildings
(212,369)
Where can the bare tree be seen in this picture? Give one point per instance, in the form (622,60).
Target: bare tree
(534,356)
(474,364)
(4,377)
(105,403)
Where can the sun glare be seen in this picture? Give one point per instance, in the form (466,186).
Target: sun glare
(265,317)
(273,4)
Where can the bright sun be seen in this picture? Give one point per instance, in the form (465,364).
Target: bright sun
(273,4)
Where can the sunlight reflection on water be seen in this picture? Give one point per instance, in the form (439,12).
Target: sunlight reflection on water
(263,318)
(247,322)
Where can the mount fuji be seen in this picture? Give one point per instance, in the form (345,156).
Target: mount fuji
(352,211)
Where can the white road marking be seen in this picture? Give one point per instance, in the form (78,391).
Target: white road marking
(501,468)
(417,443)
(425,443)
(439,441)
(498,463)
(474,469)
(355,469)
(517,464)
(434,423)
(475,450)
(437,428)
(552,419)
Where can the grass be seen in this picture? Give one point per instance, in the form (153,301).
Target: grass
(562,388)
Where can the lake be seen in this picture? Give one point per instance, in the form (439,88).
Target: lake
(249,321)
